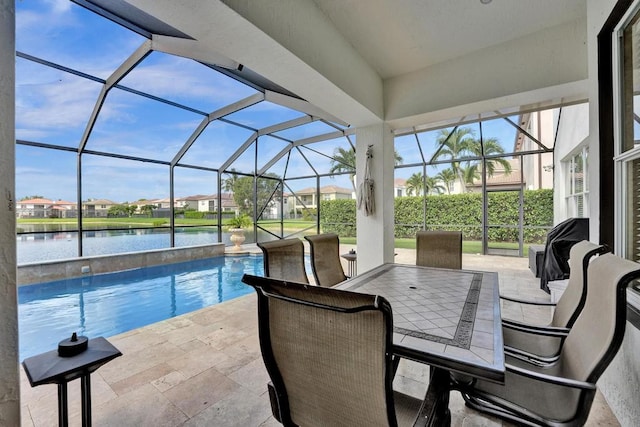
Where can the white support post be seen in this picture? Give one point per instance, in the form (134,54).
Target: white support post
(375,233)
(9,363)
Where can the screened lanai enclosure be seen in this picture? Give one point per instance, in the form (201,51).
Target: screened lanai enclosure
(124,143)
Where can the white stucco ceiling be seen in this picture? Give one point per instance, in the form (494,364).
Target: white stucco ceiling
(401,36)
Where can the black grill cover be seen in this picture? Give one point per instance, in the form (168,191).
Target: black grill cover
(560,239)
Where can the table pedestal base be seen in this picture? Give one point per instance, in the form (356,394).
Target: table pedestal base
(437,399)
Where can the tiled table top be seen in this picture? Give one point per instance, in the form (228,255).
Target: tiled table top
(446,318)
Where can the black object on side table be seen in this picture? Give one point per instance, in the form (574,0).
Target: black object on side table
(50,368)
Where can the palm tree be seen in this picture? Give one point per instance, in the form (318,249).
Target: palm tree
(432,185)
(492,146)
(344,160)
(230,180)
(461,143)
(415,183)
(470,174)
(455,145)
(447,177)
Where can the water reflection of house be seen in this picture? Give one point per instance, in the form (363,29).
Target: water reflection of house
(45,208)
(95,208)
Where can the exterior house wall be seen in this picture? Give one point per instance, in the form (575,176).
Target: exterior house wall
(203,205)
(572,135)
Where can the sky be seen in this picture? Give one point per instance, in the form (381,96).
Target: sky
(54,107)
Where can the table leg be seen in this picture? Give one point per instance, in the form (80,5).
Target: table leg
(85,391)
(63,415)
(438,398)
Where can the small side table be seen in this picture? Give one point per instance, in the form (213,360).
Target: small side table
(49,368)
(352,260)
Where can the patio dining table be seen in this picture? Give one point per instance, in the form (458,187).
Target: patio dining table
(448,319)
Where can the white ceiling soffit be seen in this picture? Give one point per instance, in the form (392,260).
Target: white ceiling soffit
(399,37)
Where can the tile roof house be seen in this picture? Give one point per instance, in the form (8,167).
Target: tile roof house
(45,208)
(97,208)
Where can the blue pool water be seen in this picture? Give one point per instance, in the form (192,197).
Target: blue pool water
(109,304)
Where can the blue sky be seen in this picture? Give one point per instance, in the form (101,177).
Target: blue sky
(54,107)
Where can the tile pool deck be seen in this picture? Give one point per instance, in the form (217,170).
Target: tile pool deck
(205,368)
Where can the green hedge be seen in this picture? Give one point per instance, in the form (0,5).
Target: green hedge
(338,216)
(454,212)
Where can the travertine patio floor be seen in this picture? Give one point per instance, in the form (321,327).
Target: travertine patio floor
(205,368)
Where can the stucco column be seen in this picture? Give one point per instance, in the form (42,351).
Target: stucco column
(9,377)
(375,232)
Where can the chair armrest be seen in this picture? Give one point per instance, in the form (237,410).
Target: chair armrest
(561,381)
(530,302)
(551,331)
(530,358)
(530,332)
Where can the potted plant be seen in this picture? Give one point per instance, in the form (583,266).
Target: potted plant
(236,227)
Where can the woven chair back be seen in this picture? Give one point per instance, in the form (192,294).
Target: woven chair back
(325,259)
(284,260)
(441,249)
(328,353)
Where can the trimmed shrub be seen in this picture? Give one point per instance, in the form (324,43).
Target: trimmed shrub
(338,216)
(455,212)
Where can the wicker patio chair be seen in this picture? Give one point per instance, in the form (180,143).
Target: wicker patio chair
(561,393)
(441,249)
(325,259)
(284,260)
(542,343)
(328,354)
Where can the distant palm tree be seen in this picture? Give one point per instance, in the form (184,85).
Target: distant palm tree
(492,146)
(447,177)
(455,145)
(415,183)
(470,174)
(461,143)
(433,186)
(344,160)
(230,180)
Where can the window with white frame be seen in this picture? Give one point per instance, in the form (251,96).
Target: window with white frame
(627,137)
(577,187)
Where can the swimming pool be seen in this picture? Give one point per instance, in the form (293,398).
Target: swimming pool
(110,304)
